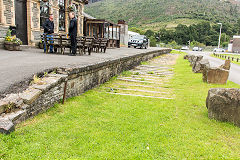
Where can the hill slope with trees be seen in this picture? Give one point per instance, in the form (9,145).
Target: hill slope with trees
(141,12)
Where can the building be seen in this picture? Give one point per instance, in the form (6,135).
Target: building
(29,15)
(236,44)
(123,32)
(101,28)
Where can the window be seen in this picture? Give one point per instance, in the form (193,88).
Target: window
(75,8)
(44,12)
(61,15)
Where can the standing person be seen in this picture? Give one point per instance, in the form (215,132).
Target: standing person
(73,33)
(48,27)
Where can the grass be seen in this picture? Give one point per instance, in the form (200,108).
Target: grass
(230,55)
(177,52)
(97,125)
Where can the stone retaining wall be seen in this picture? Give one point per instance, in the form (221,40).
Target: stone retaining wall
(49,90)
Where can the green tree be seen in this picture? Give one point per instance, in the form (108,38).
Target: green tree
(153,42)
(149,33)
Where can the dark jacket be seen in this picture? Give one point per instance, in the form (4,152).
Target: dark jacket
(73,27)
(48,27)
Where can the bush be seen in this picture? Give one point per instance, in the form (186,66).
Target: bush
(153,42)
(174,45)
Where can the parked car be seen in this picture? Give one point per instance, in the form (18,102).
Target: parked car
(219,50)
(140,41)
(185,48)
(197,49)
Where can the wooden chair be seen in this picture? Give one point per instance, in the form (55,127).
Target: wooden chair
(104,44)
(54,41)
(65,43)
(81,44)
(96,44)
(88,45)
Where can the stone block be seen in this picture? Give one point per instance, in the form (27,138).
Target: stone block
(226,65)
(224,105)
(12,101)
(200,66)
(6,126)
(30,95)
(3,105)
(48,83)
(14,116)
(195,59)
(186,57)
(215,75)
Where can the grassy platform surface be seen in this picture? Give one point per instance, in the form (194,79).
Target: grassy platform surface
(98,125)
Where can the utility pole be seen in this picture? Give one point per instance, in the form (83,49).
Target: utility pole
(220,35)
(189,44)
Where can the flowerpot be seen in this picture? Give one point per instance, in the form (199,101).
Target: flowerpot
(9,46)
(40,45)
(16,47)
(12,46)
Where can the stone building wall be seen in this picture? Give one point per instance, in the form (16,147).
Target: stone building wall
(34,30)
(8,12)
(236,44)
(123,32)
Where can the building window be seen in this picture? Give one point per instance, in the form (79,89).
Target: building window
(44,12)
(75,9)
(61,15)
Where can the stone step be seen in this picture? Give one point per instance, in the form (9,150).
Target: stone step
(155,77)
(131,80)
(134,95)
(149,66)
(132,85)
(145,79)
(136,90)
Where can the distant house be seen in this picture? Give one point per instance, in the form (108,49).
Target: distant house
(101,28)
(236,44)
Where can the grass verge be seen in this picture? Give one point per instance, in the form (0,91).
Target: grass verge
(97,125)
(177,52)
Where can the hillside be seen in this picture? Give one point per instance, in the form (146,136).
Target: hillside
(147,13)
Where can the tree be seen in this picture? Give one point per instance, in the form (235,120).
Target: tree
(149,33)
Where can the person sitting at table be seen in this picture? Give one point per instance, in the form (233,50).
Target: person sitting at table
(48,27)
(73,33)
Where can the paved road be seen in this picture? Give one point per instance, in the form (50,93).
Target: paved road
(215,62)
(19,66)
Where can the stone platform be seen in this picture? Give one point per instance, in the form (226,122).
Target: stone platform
(18,67)
(74,75)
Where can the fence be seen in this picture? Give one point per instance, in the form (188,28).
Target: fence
(226,57)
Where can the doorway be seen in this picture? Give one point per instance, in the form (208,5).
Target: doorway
(21,20)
